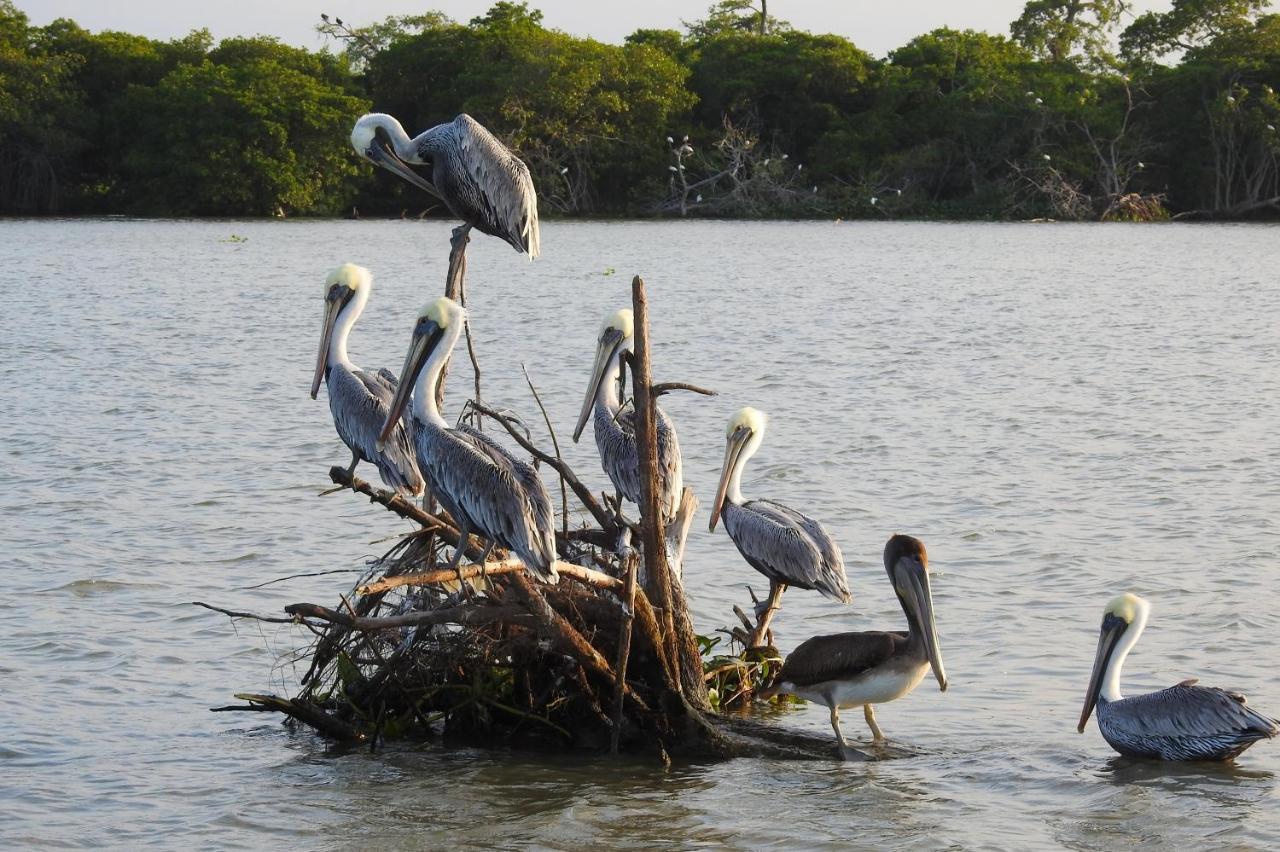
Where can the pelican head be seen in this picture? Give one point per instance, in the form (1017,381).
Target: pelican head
(346,284)
(381,140)
(907,564)
(742,438)
(617,335)
(1122,623)
(437,322)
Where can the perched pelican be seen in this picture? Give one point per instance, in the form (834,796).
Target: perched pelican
(616,429)
(360,400)
(1183,722)
(789,548)
(475,175)
(872,667)
(483,486)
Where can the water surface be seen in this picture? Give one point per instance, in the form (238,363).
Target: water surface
(1060,412)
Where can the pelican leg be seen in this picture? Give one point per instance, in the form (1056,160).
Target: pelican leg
(351,471)
(484,560)
(876,734)
(455,564)
(835,726)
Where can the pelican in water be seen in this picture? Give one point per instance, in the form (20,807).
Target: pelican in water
(360,400)
(1183,722)
(789,548)
(871,667)
(474,174)
(484,487)
(616,429)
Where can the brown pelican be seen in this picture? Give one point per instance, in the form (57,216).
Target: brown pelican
(1183,722)
(360,400)
(789,548)
(474,174)
(872,667)
(483,486)
(616,429)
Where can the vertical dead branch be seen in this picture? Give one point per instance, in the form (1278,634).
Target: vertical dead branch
(760,633)
(663,590)
(453,289)
(624,641)
(555,445)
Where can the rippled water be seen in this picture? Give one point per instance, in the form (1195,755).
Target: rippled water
(1060,412)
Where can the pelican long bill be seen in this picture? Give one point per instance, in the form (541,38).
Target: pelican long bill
(1112,629)
(426,336)
(732,452)
(610,340)
(333,305)
(383,153)
(921,602)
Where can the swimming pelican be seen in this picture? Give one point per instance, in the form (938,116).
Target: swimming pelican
(359,399)
(616,429)
(474,174)
(871,667)
(483,486)
(789,548)
(1183,722)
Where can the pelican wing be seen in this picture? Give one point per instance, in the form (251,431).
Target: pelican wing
(831,572)
(840,656)
(359,402)
(620,455)
(777,544)
(501,496)
(1187,722)
(505,200)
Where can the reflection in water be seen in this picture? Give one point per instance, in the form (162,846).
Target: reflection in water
(1028,400)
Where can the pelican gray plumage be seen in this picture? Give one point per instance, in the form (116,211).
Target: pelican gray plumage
(484,487)
(615,428)
(1183,722)
(871,667)
(360,400)
(789,548)
(472,172)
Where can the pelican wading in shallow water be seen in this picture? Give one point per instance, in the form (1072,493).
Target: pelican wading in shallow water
(871,667)
(474,174)
(484,488)
(1183,722)
(789,548)
(360,400)
(616,429)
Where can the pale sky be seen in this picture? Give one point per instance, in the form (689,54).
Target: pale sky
(877,26)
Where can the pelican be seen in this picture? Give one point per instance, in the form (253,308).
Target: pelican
(360,400)
(1183,722)
(474,174)
(616,429)
(789,548)
(482,485)
(862,669)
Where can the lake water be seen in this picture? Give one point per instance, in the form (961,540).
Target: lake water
(1060,412)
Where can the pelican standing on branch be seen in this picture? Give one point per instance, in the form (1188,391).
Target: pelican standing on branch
(871,667)
(789,548)
(360,400)
(615,427)
(477,177)
(1183,722)
(484,487)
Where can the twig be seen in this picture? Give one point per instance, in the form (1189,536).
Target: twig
(299,576)
(234,614)
(667,387)
(506,566)
(468,615)
(564,491)
(624,641)
(303,711)
(466,327)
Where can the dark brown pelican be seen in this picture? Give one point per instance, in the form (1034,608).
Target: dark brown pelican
(871,667)
(474,174)
(484,487)
(358,399)
(789,548)
(1183,722)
